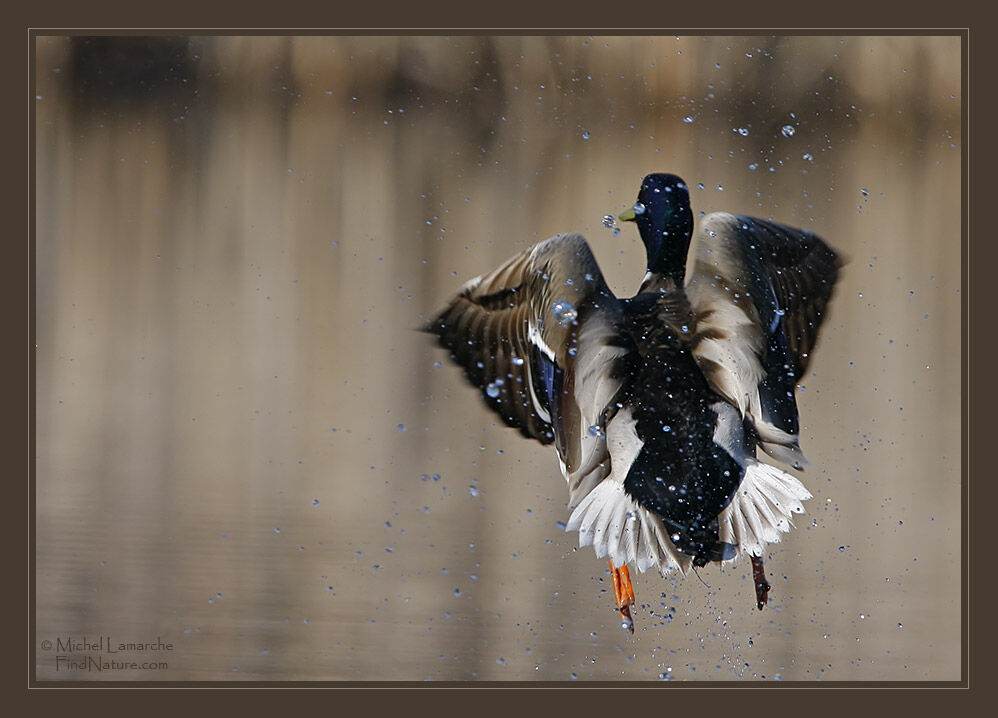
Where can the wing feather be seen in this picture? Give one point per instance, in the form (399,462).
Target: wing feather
(539,336)
(759,291)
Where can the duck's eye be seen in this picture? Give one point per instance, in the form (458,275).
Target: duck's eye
(638,208)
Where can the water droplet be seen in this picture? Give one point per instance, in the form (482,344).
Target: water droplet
(518,361)
(493,389)
(788,131)
(666,428)
(688,119)
(585,134)
(609,221)
(564,312)
(865,192)
(807,157)
(743,131)
(315,502)
(277,530)
(473,491)
(638,208)
(457,592)
(401,428)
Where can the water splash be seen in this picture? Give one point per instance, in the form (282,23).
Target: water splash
(564,312)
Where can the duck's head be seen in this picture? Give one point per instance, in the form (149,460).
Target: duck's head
(665,221)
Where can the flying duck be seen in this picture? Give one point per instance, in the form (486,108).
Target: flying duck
(657,404)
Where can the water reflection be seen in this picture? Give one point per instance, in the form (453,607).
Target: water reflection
(233,254)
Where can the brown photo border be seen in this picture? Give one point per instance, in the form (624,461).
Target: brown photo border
(448,19)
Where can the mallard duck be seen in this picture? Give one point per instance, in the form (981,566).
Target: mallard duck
(656,404)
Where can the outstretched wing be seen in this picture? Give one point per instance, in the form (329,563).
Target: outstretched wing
(759,291)
(539,337)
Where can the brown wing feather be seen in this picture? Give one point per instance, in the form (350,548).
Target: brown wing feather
(759,291)
(549,303)
(485,329)
(802,270)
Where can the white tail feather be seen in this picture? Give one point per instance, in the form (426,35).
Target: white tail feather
(761,508)
(617,527)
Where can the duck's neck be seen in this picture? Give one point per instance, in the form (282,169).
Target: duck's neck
(667,243)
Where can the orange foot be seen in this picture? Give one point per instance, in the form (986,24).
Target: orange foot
(761,584)
(624,593)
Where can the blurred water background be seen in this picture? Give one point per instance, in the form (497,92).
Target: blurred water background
(245,449)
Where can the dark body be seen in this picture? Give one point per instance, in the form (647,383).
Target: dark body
(680,474)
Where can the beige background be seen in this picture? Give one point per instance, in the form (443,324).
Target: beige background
(245,449)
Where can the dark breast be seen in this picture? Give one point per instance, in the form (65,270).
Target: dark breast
(680,474)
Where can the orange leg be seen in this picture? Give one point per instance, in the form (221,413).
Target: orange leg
(624,593)
(761,584)
(625,583)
